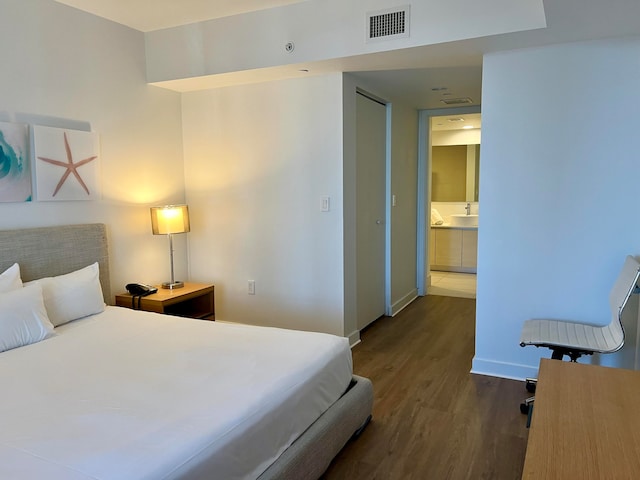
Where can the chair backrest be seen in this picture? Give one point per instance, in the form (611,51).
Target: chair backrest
(619,295)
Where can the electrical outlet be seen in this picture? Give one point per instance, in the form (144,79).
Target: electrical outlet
(252,287)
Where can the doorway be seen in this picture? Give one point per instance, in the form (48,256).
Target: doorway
(371,180)
(425,190)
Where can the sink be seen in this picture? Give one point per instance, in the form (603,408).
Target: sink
(462,220)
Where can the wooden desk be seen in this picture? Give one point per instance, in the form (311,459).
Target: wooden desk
(586,423)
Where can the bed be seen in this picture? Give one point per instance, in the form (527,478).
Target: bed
(124,394)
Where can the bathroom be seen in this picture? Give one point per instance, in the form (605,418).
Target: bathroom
(453,233)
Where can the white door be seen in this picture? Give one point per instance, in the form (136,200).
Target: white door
(371,133)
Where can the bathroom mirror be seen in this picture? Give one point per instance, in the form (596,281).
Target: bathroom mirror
(455,173)
(455,157)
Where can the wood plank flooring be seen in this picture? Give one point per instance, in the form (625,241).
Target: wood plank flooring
(432,419)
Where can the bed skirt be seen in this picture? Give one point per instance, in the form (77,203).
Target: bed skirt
(310,455)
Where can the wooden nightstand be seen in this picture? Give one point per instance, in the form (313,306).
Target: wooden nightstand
(194,300)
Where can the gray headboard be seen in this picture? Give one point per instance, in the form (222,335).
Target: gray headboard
(50,251)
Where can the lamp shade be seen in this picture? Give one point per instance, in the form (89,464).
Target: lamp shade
(170,219)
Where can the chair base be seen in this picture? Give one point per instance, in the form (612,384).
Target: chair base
(558,353)
(526,408)
(526,405)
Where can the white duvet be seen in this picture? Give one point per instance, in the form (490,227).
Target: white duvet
(135,395)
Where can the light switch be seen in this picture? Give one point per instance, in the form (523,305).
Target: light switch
(325,203)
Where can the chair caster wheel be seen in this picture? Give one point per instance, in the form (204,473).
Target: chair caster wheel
(524,409)
(531,387)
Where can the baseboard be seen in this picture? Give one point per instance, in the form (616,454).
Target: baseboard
(512,371)
(397,307)
(354,338)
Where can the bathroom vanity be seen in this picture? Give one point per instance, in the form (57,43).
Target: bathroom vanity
(453,248)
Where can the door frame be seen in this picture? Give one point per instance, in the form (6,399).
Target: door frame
(350,86)
(424,188)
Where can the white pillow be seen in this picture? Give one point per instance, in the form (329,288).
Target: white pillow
(23,318)
(10,279)
(73,295)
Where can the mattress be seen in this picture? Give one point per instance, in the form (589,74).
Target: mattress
(137,395)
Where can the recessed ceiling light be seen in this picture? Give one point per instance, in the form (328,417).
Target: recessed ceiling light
(468,127)
(456,119)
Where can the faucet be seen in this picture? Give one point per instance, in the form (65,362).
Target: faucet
(468,208)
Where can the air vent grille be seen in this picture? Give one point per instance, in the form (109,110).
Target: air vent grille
(456,101)
(387,24)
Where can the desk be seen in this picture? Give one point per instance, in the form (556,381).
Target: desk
(586,423)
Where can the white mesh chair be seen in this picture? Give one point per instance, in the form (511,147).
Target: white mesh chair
(575,339)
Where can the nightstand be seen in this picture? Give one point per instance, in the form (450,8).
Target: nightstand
(194,300)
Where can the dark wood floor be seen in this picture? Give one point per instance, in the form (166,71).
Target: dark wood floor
(432,419)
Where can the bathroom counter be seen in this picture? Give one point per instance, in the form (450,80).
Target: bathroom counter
(453,248)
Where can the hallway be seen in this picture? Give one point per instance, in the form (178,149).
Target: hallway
(432,419)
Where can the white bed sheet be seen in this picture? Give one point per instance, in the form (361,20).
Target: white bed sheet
(137,395)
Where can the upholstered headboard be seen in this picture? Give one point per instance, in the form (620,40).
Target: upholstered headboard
(50,251)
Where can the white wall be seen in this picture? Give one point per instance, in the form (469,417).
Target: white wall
(404,215)
(63,67)
(349,178)
(558,217)
(455,137)
(258,158)
(322,30)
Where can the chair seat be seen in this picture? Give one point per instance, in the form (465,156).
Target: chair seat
(571,336)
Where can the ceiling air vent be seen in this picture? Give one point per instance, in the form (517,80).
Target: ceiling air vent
(456,101)
(388,24)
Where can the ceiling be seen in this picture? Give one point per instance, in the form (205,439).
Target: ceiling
(148,15)
(456,122)
(421,76)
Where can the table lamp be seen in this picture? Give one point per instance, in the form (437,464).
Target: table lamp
(169,220)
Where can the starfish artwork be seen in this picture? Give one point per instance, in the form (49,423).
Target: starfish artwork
(70,167)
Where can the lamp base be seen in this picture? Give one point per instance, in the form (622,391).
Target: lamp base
(172,285)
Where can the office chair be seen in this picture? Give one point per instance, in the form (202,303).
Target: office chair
(575,339)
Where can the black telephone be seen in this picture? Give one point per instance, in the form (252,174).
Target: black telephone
(140,289)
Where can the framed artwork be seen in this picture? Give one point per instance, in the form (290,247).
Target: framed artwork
(15,171)
(66,164)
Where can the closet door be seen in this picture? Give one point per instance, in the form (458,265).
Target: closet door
(370,209)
